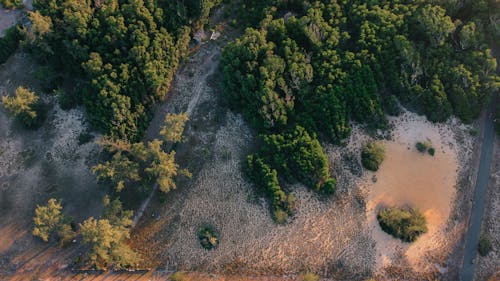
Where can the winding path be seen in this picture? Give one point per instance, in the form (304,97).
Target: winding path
(483,176)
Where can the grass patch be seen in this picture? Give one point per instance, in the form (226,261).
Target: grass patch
(309,277)
(405,224)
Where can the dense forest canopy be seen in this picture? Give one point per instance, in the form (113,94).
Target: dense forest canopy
(126,52)
(320,65)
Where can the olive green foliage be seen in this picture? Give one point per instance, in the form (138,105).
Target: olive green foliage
(372,155)
(49,220)
(426,146)
(309,277)
(25,106)
(178,276)
(9,43)
(108,237)
(283,204)
(174,127)
(9,4)
(127,51)
(485,246)
(208,237)
(405,224)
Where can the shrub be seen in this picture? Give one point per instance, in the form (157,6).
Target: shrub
(328,186)
(178,276)
(84,137)
(209,239)
(406,225)
(431,151)
(372,155)
(309,277)
(421,147)
(484,246)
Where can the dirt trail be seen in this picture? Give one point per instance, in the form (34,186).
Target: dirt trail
(207,67)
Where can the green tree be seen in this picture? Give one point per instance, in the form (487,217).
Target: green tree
(118,171)
(108,238)
(23,105)
(49,220)
(435,24)
(174,127)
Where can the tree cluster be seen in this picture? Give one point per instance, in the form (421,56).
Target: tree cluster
(320,65)
(126,52)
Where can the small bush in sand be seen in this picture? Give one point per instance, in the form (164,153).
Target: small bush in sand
(309,277)
(372,155)
(431,151)
(426,146)
(405,224)
(485,246)
(178,276)
(209,239)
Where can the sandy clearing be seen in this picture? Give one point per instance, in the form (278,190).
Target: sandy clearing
(410,178)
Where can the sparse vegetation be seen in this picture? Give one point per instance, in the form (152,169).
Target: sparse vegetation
(485,246)
(372,155)
(209,239)
(405,224)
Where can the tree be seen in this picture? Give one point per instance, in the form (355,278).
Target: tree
(118,171)
(108,236)
(23,105)
(49,220)
(174,127)
(435,24)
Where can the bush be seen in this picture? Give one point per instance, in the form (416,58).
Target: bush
(328,186)
(484,246)
(431,151)
(178,276)
(422,147)
(208,238)
(309,277)
(406,225)
(84,137)
(372,156)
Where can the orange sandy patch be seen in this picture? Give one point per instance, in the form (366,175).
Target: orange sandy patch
(410,178)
